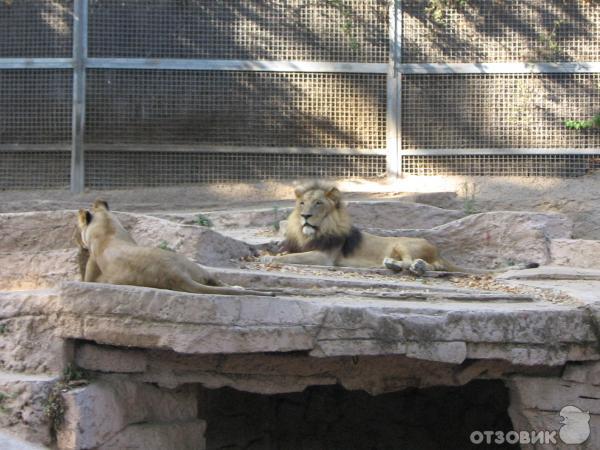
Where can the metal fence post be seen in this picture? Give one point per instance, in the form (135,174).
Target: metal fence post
(80,21)
(393,91)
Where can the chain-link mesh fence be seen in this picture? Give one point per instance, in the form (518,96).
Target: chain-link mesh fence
(498,111)
(36,28)
(502,165)
(500,30)
(313,30)
(236,108)
(129,169)
(150,126)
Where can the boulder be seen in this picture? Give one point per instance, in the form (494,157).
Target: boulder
(201,244)
(38,269)
(29,340)
(37,231)
(96,414)
(495,239)
(22,406)
(384,214)
(575,253)
(536,402)
(380,214)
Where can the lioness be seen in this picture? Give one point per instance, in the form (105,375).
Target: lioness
(320,232)
(115,258)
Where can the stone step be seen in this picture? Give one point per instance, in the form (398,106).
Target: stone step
(356,282)
(552,273)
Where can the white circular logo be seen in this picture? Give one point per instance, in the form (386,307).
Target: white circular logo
(575,427)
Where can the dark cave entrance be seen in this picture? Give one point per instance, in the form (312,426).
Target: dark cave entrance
(330,417)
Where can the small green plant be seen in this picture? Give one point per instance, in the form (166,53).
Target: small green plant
(276,218)
(468,193)
(3,328)
(438,9)
(165,246)
(54,406)
(347,26)
(204,221)
(73,373)
(594,122)
(3,398)
(551,48)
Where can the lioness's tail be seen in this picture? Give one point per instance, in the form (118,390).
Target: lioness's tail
(449,267)
(199,288)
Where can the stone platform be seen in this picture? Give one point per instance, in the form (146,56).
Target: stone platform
(144,353)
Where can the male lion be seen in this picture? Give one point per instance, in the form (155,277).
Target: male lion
(320,232)
(115,258)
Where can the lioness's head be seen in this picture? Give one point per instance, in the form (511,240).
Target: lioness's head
(99,223)
(85,219)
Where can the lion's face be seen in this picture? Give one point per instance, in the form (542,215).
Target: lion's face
(314,206)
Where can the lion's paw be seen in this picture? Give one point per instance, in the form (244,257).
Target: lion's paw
(418,267)
(392,264)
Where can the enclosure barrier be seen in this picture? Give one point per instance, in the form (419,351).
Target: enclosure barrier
(109,94)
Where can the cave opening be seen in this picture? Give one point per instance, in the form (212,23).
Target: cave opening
(330,417)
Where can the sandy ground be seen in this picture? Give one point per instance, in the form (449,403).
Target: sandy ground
(578,198)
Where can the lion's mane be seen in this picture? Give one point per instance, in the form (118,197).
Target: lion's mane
(335,229)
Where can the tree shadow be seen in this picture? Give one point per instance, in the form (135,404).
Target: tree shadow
(500,111)
(303,111)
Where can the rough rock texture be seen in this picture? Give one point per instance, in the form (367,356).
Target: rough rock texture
(38,269)
(273,373)
(588,373)
(198,243)
(551,273)
(22,401)
(35,231)
(101,414)
(9,441)
(38,250)
(379,214)
(359,330)
(535,404)
(103,359)
(29,340)
(187,435)
(264,226)
(575,253)
(521,332)
(495,239)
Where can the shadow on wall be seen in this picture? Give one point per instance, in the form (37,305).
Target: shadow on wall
(301,110)
(500,111)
